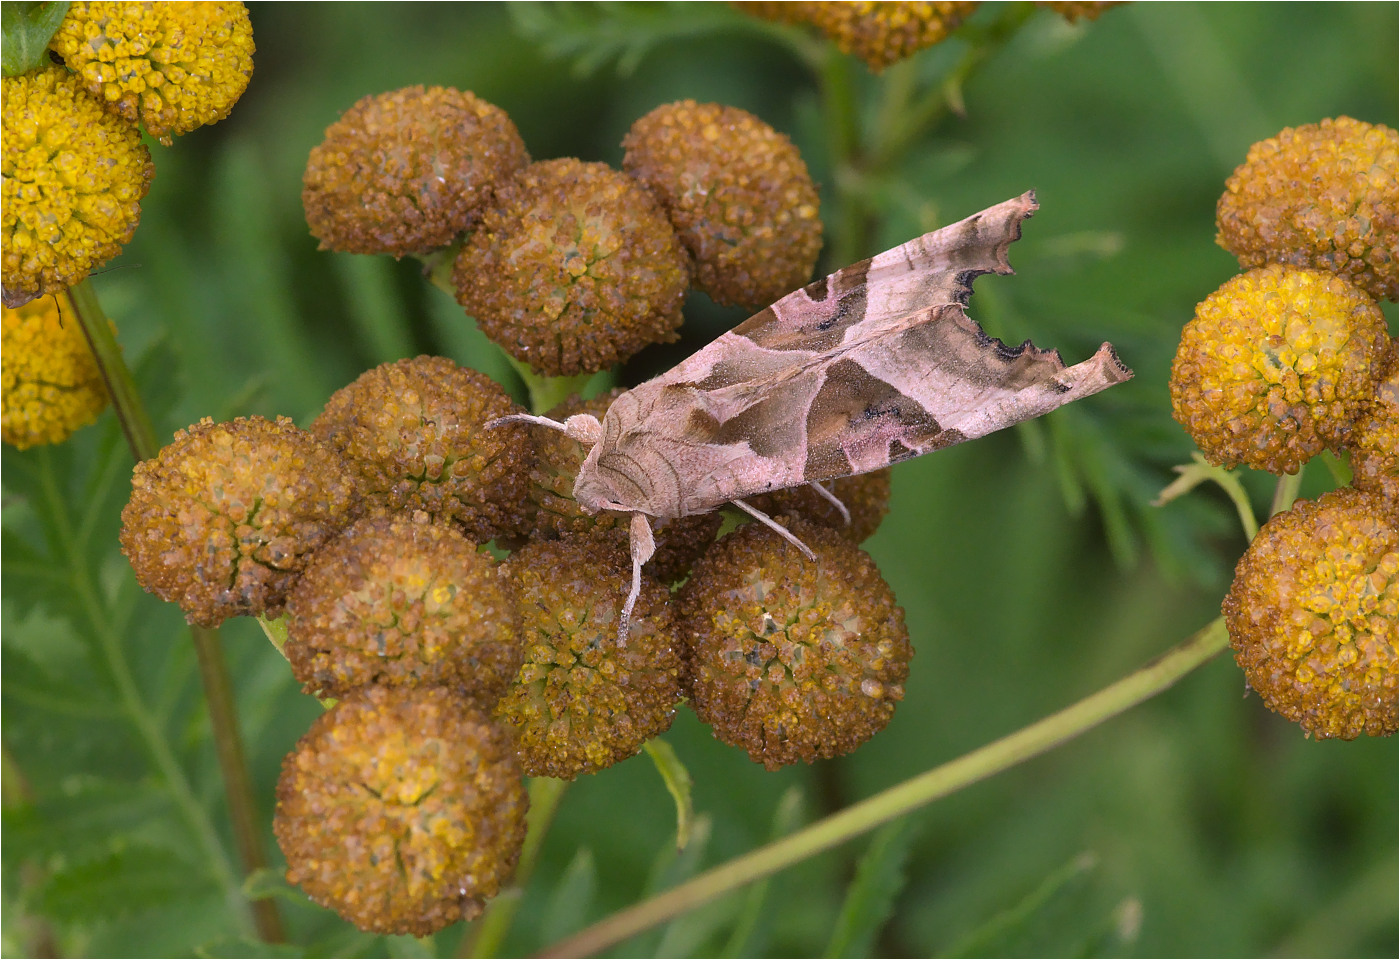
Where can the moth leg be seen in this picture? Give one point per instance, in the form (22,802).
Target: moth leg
(583,427)
(781,530)
(642,545)
(832,499)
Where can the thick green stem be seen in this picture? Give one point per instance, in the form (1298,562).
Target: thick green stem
(903,798)
(1287,491)
(213,668)
(484,937)
(852,224)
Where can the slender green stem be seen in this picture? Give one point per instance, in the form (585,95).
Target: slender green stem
(852,224)
(213,668)
(903,798)
(126,402)
(484,937)
(129,694)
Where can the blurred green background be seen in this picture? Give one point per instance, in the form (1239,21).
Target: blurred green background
(1030,564)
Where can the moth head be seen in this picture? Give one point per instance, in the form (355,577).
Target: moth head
(593,492)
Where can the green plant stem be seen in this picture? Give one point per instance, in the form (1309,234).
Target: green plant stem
(126,402)
(903,798)
(853,224)
(213,667)
(485,936)
(1287,491)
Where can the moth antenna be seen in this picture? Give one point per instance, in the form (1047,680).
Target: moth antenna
(777,527)
(642,545)
(582,427)
(834,500)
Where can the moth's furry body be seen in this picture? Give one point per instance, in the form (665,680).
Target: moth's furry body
(875,364)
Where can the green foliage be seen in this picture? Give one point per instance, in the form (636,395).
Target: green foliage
(27,26)
(1032,567)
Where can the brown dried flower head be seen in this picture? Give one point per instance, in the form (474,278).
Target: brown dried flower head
(738,194)
(1376,436)
(398,600)
(1276,366)
(1322,195)
(787,658)
(557,515)
(583,701)
(880,32)
(1312,615)
(223,520)
(574,269)
(408,171)
(865,496)
(401,809)
(415,434)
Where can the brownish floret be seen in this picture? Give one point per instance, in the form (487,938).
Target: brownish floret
(1376,436)
(406,172)
(880,32)
(583,701)
(1321,195)
(574,269)
(1076,10)
(1276,366)
(866,496)
(738,194)
(224,519)
(789,658)
(1312,615)
(415,434)
(557,515)
(398,600)
(401,809)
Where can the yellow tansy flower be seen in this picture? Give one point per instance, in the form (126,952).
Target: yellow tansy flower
(170,66)
(73,179)
(51,384)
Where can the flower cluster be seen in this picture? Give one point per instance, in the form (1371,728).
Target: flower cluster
(372,528)
(1285,361)
(75,169)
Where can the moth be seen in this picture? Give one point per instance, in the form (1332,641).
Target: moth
(875,364)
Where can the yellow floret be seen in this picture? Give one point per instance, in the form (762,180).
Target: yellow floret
(51,384)
(171,66)
(73,179)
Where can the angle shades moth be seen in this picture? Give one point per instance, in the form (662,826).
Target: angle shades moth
(872,365)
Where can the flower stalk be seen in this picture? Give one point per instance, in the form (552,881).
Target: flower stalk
(213,667)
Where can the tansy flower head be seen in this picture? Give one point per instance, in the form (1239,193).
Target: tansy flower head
(1275,366)
(401,809)
(738,194)
(865,496)
(1312,615)
(73,179)
(880,33)
(1321,195)
(171,66)
(582,700)
(574,269)
(557,515)
(398,600)
(223,519)
(51,384)
(415,434)
(406,172)
(1376,436)
(789,658)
